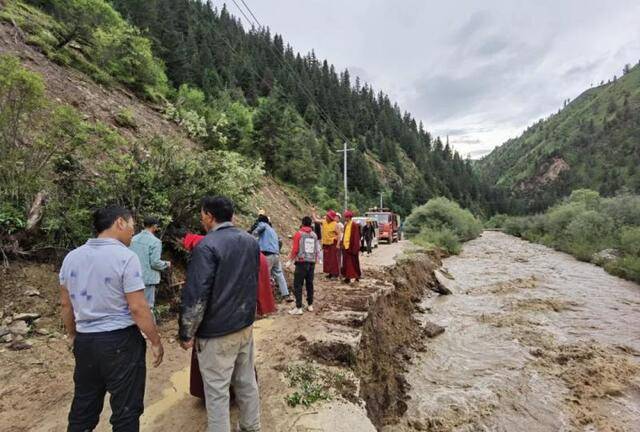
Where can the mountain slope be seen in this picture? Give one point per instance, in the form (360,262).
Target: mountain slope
(594,142)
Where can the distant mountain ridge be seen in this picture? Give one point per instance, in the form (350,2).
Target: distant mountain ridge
(593,142)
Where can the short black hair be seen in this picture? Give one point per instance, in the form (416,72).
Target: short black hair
(221,208)
(307,221)
(263,218)
(150,221)
(104,218)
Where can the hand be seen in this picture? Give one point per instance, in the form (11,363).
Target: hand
(70,340)
(187,344)
(168,264)
(158,353)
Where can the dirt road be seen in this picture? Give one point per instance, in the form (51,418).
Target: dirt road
(535,341)
(37,383)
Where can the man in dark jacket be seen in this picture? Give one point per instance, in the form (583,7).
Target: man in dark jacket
(217,313)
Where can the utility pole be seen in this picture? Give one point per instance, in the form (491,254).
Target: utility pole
(380,200)
(344,151)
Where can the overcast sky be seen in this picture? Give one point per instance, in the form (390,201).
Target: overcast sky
(479,71)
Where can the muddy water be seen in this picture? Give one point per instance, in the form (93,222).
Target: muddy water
(534,341)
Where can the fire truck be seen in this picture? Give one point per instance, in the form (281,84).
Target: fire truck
(389,223)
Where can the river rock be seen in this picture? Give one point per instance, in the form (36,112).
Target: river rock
(19,328)
(6,338)
(43,332)
(432,330)
(19,345)
(605,256)
(32,293)
(4,330)
(26,316)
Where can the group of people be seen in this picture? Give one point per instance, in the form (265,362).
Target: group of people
(108,293)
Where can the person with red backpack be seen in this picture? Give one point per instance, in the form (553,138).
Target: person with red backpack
(304,254)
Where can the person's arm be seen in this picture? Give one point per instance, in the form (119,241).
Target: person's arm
(295,246)
(156,263)
(141,314)
(315,217)
(259,229)
(66,310)
(133,287)
(195,295)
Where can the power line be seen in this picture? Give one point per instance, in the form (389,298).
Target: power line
(289,69)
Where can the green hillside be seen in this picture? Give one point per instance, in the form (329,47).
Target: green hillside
(593,142)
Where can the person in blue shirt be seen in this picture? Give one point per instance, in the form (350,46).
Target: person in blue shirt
(270,247)
(148,247)
(104,310)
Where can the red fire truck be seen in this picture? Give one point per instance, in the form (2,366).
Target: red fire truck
(389,223)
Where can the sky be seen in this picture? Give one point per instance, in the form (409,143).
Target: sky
(479,71)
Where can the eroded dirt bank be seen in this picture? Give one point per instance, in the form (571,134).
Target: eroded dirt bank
(535,341)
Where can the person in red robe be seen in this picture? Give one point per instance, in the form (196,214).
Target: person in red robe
(350,246)
(266,305)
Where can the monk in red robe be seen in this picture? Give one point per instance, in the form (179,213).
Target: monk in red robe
(350,246)
(266,305)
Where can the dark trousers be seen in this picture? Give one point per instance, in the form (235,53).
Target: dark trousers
(303,274)
(111,362)
(368,242)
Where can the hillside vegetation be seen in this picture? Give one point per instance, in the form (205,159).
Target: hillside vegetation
(593,142)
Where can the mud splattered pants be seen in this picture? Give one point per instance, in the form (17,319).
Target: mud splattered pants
(224,361)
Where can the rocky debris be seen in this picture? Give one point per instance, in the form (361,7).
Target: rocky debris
(26,316)
(32,293)
(19,345)
(605,256)
(43,332)
(4,330)
(6,338)
(441,283)
(19,328)
(432,330)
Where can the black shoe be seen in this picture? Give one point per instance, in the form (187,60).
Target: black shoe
(289,299)
(346,281)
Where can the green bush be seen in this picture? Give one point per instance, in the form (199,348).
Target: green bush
(630,240)
(496,221)
(442,223)
(441,213)
(444,239)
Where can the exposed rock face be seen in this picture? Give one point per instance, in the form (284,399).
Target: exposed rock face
(548,172)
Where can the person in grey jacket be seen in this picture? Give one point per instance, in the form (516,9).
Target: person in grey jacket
(217,312)
(148,247)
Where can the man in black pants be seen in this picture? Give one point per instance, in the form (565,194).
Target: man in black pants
(304,254)
(104,310)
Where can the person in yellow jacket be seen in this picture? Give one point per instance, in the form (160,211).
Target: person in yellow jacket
(329,240)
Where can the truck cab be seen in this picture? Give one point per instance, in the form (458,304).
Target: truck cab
(388,222)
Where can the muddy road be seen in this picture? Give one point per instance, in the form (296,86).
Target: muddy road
(535,341)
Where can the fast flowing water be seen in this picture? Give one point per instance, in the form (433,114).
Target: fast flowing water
(535,341)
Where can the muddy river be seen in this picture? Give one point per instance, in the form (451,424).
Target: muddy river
(535,341)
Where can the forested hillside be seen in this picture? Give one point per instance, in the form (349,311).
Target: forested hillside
(593,142)
(295,111)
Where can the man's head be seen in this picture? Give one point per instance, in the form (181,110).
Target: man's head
(348,214)
(151,224)
(338,217)
(263,218)
(331,215)
(307,221)
(214,211)
(114,222)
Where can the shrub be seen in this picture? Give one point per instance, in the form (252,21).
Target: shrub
(496,221)
(441,213)
(444,239)
(630,240)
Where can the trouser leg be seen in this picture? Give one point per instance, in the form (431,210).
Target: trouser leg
(310,274)
(298,280)
(124,368)
(245,386)
(278,275)
(89,387)
(217,357)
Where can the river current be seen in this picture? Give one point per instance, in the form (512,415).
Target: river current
(535,341)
